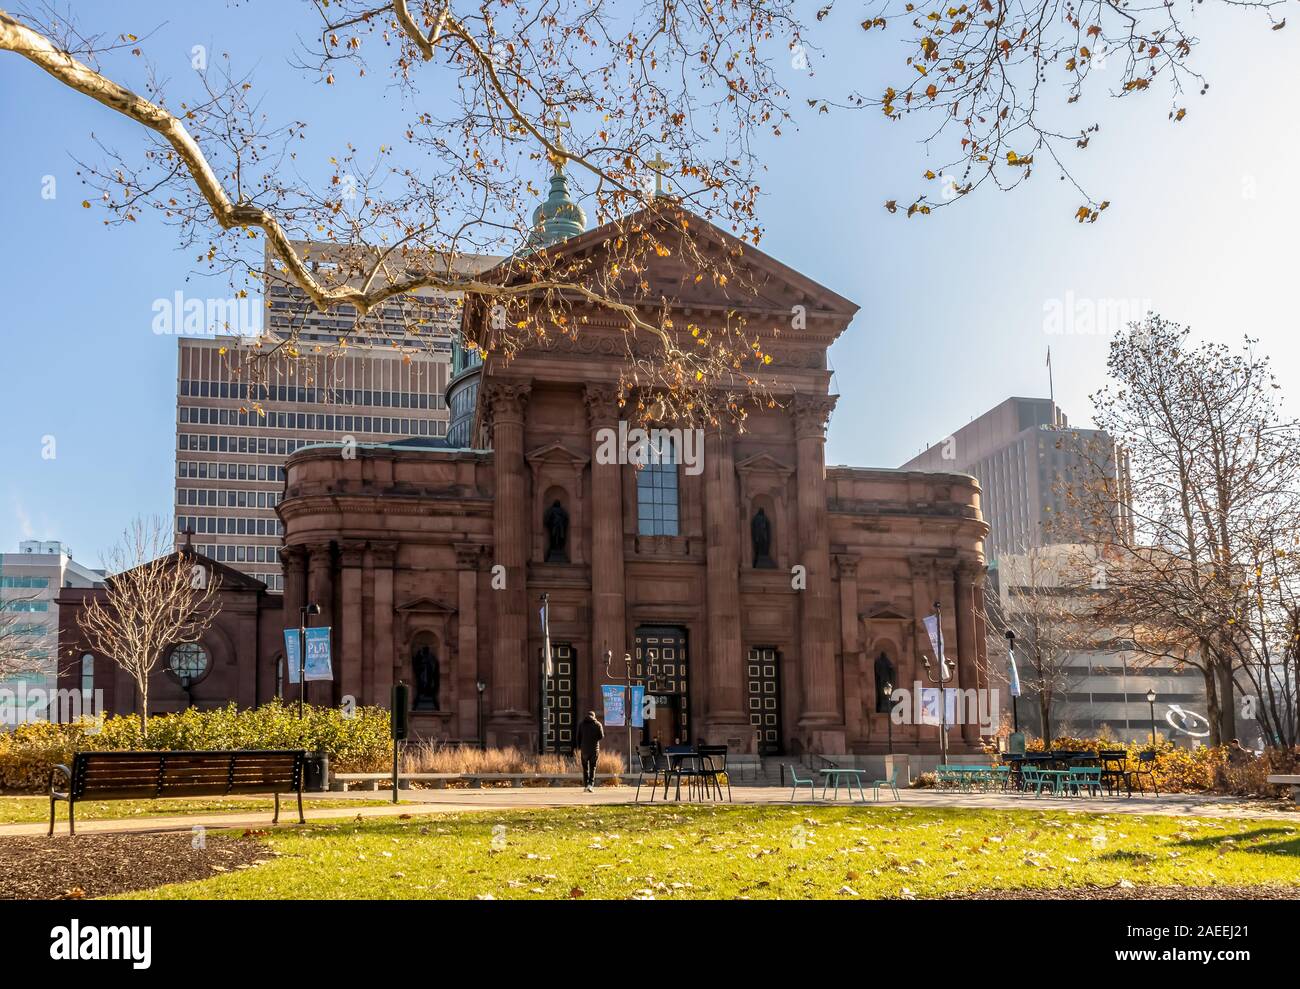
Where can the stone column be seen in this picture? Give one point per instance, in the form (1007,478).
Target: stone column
(727,720)
(608,618)
(922,570)
(968,645)
(348,671)
(380,686)
(320,590)
(820,721)
(467,673)
(294,561)
(851,649)
(512,723)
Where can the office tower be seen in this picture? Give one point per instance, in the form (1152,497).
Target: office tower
(1025,454)
(244,403)
(30,581)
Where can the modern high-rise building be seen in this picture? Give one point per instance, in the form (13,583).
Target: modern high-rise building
(30,581)
(1024,454)
(318,378)
(1097,682)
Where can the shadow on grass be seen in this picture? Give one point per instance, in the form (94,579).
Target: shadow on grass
(1269,840)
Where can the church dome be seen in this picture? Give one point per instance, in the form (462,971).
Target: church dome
(558,217)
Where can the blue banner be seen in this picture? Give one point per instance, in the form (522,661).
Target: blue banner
(318,654)
(615,716)
(638,707)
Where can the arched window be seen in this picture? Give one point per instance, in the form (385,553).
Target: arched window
(87,673)
(656,491)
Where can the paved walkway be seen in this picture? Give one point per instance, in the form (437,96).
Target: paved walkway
(528,798)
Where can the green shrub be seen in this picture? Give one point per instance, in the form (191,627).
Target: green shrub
(358,742)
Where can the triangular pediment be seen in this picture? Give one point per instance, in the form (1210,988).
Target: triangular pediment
(763,463)
(556,453)
(883,613)
(426,606)
(229,579)
(759,282)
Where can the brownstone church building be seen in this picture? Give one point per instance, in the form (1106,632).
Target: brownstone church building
(763,597)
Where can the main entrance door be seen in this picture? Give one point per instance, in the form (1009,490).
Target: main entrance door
(764,676)
(660,662)
(561,700)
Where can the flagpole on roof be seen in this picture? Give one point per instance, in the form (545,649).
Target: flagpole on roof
(1051,387)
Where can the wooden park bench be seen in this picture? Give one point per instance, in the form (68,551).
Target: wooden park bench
(1292,781)
(150,775)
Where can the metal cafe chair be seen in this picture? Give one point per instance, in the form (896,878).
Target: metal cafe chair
(796,782)
(1146,770)
(652,765)
(713,769)
(1113,770)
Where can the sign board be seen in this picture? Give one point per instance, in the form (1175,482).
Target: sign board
(615,716)
(318,654)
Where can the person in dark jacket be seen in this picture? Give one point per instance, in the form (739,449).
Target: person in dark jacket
(590,732)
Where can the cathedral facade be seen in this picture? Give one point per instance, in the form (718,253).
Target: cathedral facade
(761,598)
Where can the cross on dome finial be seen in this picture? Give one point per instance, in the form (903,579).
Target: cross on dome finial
(659,164)
(556,121)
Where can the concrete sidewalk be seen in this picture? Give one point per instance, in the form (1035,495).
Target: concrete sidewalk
(430,802)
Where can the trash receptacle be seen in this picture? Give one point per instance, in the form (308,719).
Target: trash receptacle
(317,778)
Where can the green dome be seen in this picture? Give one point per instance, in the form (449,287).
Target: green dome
(559,217)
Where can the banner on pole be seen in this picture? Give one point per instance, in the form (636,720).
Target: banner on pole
(935,630)
(612,695)
(548,665)
(638,707)
(1013,674)
(318,666)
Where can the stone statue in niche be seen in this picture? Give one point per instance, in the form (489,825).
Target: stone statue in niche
(428,679)
(885,674)
(760,533)
(556,521)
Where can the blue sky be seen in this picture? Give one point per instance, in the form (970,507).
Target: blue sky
(956,308)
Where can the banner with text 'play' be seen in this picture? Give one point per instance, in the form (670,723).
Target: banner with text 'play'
(318,666)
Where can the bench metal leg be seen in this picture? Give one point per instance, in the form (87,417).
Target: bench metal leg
(301,819)
(50,834)
(72,817)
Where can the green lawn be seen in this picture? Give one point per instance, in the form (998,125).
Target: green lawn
(747,851)
(30,810)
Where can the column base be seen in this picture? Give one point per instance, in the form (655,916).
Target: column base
(512,729)
(737,734)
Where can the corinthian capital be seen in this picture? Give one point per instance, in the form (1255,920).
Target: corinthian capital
(811,413)
(602,403)
(506,399)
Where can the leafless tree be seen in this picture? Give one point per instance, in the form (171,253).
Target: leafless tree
(1042,595)
(502,93)
(154,600)
(22,638)
(1215,468)
(1000,89)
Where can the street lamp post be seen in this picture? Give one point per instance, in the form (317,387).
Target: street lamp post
(1151,699)
(480,686)
(304,613)
(1015,705)
(627,708)
(941,676)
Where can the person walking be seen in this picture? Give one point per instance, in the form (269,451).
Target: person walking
(590,732)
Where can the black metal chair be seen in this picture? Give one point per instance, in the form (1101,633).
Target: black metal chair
(713,768)
(1146,770)
(1114,763)
(653,765)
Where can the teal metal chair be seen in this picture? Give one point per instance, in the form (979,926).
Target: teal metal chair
(1084,779)
(1035,779)
(797,782)
(891,781)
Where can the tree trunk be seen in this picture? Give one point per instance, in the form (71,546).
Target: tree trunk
(1226,696)
(1212,705)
